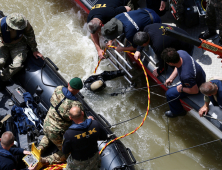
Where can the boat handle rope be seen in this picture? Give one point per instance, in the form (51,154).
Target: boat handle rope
(110,46)
(148,106)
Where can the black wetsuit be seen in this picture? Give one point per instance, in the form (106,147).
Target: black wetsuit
(159,42)
(105,10)
(81,139)
(104,76)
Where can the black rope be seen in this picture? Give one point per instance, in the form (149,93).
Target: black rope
(168,134)
(135,89)
(175,152)
(142,113)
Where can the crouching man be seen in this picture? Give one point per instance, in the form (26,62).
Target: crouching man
(212,91)
(81,140)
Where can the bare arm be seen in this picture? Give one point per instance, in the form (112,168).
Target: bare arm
(162,6)
(204,109)
(127,8)
(95,39)
(131,48)
(193,90)
(172,77)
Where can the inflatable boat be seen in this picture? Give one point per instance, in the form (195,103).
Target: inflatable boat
(193,103)
(40,78)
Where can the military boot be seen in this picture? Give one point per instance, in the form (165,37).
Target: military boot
(207,34)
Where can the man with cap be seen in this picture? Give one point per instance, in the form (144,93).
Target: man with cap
(129,23)
(57,119)
(15,34)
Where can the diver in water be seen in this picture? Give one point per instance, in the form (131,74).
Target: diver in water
(97,82)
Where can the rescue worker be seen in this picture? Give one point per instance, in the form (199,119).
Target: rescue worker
(97,82)
(100,14)
(212,91)
(152,35)
(15,34)
(159,6)
(8,153)
(81,140)
(190,74)
(213,14)
(57,119)
(129,23)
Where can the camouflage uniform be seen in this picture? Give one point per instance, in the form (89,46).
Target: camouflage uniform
(90,164)
(17,49)
(54,127)
(214,12)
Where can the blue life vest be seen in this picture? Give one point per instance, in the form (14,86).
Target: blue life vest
(6,34)
(219,94)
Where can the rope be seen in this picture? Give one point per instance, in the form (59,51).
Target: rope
(142,113)
(143,118)
(97,66)
(56,167)
(99,62)
(175,152)
(202,5)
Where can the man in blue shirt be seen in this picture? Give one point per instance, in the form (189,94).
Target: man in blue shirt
(153,35)
(190,74)
(7,152)
(212,91)
(129,23)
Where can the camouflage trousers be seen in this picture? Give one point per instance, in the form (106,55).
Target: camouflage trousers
(214,14)
(56,138)
(18,53)
(90,164)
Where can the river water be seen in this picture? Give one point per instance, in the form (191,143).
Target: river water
(60,29)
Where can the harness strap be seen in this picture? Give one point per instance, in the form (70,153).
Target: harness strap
(4,119)
(132,21)
(151,17)
(56,108)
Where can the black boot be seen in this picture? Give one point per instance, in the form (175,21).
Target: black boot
(207,34)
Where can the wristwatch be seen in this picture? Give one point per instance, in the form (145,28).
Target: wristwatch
(182,89)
